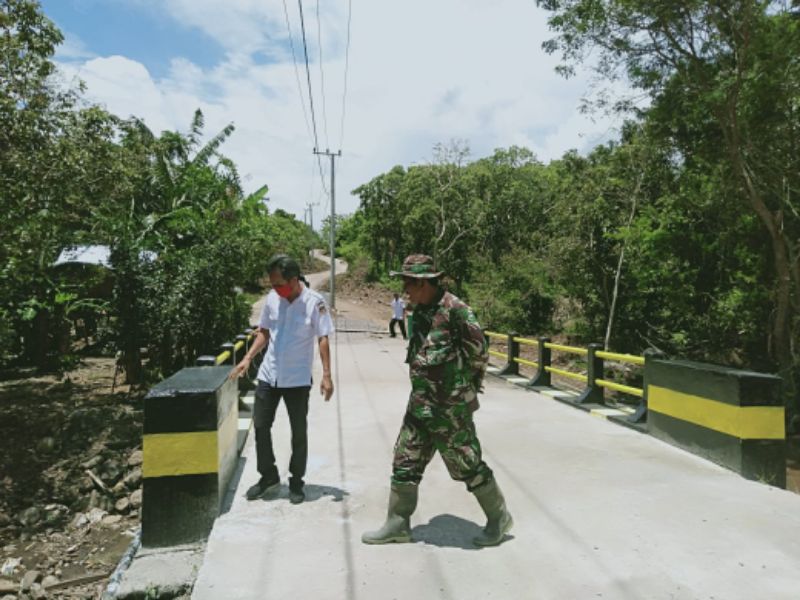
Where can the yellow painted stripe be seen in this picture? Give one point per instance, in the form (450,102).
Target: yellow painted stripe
(743,422)
(628,358)
(238,345)
(221,358)
(572,349)
(494,334)
(522,361)
(526,341)
(619,387)
(564,373)
(190,453)
(498,354)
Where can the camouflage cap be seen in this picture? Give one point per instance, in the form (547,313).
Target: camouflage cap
(419,266)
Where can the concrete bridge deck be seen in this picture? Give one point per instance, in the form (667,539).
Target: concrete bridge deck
(601,511)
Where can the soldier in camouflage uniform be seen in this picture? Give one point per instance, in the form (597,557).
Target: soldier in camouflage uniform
(447,357)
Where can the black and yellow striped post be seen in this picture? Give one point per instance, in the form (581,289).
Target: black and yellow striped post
(227,354)
(190,452)
(734,418)
(544,358)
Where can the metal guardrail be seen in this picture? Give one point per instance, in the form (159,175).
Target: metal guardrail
(230,350)
(593,378)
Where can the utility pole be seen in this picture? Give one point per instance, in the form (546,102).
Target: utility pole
(333,155)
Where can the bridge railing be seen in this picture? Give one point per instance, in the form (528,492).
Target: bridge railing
(730,416)
(594,379)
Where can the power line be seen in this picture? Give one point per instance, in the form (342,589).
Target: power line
(308,73)
(296,70)
(346,68)
(310,94)
(322,77)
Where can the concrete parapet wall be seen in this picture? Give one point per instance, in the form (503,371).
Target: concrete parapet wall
(734,418)
(190,452)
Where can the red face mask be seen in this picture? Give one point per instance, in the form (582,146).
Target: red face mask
(284,291)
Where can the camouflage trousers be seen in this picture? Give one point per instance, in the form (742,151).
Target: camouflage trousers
(454,438)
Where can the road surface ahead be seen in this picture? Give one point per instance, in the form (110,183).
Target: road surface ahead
(601,511)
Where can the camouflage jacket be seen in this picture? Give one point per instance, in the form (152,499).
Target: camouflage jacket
(447,358)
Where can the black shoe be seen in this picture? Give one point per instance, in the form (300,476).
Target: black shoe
(263,487)
(297,496)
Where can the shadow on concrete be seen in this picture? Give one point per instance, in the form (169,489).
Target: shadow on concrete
(313,493)
(230,493)
(449,531)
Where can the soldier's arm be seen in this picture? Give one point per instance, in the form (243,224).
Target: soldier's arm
(473,343)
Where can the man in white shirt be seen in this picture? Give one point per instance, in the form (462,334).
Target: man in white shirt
(398,316)
(292,318)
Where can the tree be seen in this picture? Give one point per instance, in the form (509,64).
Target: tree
(724,80)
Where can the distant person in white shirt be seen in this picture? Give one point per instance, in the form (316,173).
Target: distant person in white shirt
(293,317)
(398,316)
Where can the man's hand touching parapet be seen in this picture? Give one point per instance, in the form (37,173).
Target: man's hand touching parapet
(240,369)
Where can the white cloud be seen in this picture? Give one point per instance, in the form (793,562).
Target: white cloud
(421,72)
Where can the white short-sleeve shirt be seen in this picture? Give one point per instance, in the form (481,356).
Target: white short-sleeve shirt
(293,329)
(398,306)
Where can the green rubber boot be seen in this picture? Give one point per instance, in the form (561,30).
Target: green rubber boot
(402,502)
(499,521)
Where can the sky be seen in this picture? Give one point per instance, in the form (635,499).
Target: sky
(419,72)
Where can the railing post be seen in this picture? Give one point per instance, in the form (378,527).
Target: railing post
(512,352)
(206,361)
(228,347)
(241,338)
(640,416)
(542,377)
(593,393)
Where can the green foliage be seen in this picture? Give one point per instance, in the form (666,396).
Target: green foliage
(183,235)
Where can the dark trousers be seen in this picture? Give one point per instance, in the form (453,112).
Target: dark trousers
(402,327)
(266,404)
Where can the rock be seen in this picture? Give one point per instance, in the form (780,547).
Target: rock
(29,579)
(30,516)
(85,484)
(122,505)
(9,566)
(111,472)
(106,503)
(120,489)
(46,445)
(92,462)
(4,519)
(55,513)
(96,514)
(8,587)
(50,580)
(78,521)
(134,478)
(94,500)
(135,459)
(136,499)
(111,520)
(8,597)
